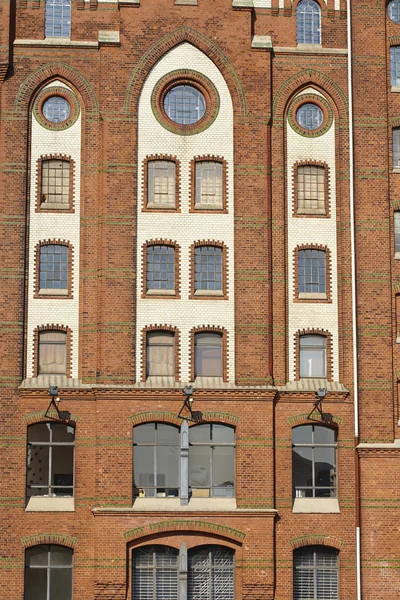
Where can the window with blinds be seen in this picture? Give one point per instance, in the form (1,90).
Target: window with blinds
(210,574)
(315,574)
(155,573)
(311,189)
(208,185)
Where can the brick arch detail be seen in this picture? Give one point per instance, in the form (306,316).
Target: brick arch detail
(205,45)
(151,417)
(184,526)
(225,345)
(177,347)
(218,417)
(303,79)
(329,350)
(52,71)
(44,417)
(61,539)
(302,419)
(317,540)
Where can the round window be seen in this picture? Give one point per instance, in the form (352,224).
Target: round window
(56,109)
(394,11)
(309,116)
(184,104)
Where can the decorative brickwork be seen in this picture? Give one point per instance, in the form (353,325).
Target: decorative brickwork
(302,419)
(177,281)
(60,539)
(191,78)
(317,540)
(145,190)
(219,417)
(69,290)
(209,329)
(328,271)
(177,348)
(62,92)
(209,295)
(329,350)
(41,206)
(51,327)
(203,209)
(310,214)
(183,525)
(151,417)
(323,105)
(43,416)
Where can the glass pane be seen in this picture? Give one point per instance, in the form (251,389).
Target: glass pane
(200,433)
(208,361)
(199,466)
(62,470)
(144,434)
(52,336)
(397,231)
(302,467)
(60,584)
(308,22)
(56,109)
(312,363)
(63,433)
(312,340)
(222,433)
(168,470)
(160,361)
(394,11)
(223,470)
(309,116)
(324,435)
(324,467)
(37,556)
(167,434)
(143,468)
(184,104)
(38,467)
(39,432)
(302,434)
(60,555)
(35,584)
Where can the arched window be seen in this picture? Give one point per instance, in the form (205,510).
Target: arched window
(48,572)
(208,184)
(53,269)
(160,268)
(58,18)
(212,460)
(211,573)
(314,450)
(55,173)
(313,356)
(156,456)
(52,353)
(50,460)
(155,571)
(161,184)
(308,22)
(208,270)
(208,354)
(311,272)
(160,354)
(315,573)
(311,189)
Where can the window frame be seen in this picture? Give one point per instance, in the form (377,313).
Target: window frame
(396,233)
(170,253)
(53,293)
(196,250)
(196,207)
(63,28)
(307,296)
(307,212)
(395,66)
(176,362)
(301,25)
(42,344)
(49,567)
(52,329)
(297,490)
(68,207)
(396,145)
(326,353)
(216,335)
(314,569)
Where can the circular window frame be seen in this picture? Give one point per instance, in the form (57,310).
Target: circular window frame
(327,115)
(196,80)
(62,92)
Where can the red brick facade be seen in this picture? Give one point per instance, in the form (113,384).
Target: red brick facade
(106,400)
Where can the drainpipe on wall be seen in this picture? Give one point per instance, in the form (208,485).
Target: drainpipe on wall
(354,299)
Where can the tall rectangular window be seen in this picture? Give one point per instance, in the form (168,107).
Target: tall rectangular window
(161,184)
(315,573)
(396,147)
(48,572)
(397,232)
(55,184)
(395,66)
(313,356)
(208,185)
(52,353)
(58,18)
(312,271)
(207,269)
(53,267)
(208,354)
(311,189)
(160,354)
(160,268)
(308,22)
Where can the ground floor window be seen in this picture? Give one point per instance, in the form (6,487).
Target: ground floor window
(315,573)
(48,572)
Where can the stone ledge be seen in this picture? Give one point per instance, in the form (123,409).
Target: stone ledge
(309,49)
(108,37)
(316,506)
(50,504)
(263,42)
(186,2)
(57,42)
(380,446)
(242,3)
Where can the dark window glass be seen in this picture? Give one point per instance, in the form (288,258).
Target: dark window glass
(212,461)
(58,18)
(208,355)
(52,353)
(208,269)
(211,573)
(312,271)
(160,268)
(315,573)
(56,109)
(155,573)
(156,455)
(160,354)
(308,22)
(312,356)
(314,462)
(184,104)
(396,148)
(53,267)
(48,573)
(50,460)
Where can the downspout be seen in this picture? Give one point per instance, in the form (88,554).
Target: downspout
(354,299)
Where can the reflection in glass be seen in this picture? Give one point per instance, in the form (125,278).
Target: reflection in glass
(314,462)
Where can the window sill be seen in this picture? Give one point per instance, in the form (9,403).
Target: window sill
(54,206)
(50,504)
(207,207)
(311,211)
(316,505)
(396,170)
(395,89)
(160,293)
(154,206)
(209,293)
(174,504)
(312,296)
(50,292)
(57,41)
(397,255)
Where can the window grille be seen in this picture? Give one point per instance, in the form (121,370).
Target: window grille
(312,356)
(311,189)
(55,184)
(312,271)
(315,573)
(53,267)
(50,460)
(184,104)
(52,353)
(208,355)
(314,462)
(309,116)
(58,18)
(208,186)
(395,65)
(308,22)
(160,268)
(161,182)
(207,268)
(155,573)
(210,574)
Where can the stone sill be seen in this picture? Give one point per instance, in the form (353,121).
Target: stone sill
(174,504)
(395,89)
(396,170)
(262,42)
(383,446)
(209,293)
(186,2)
(55,292)
(50,504)
(309,49)
(397,255)
(156,293)
(316,506)
(57,42)
(242,3)
(312,296)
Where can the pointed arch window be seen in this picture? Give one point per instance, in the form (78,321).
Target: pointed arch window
(308,22)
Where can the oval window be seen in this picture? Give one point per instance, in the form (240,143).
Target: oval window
(56,109)
(184,104)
